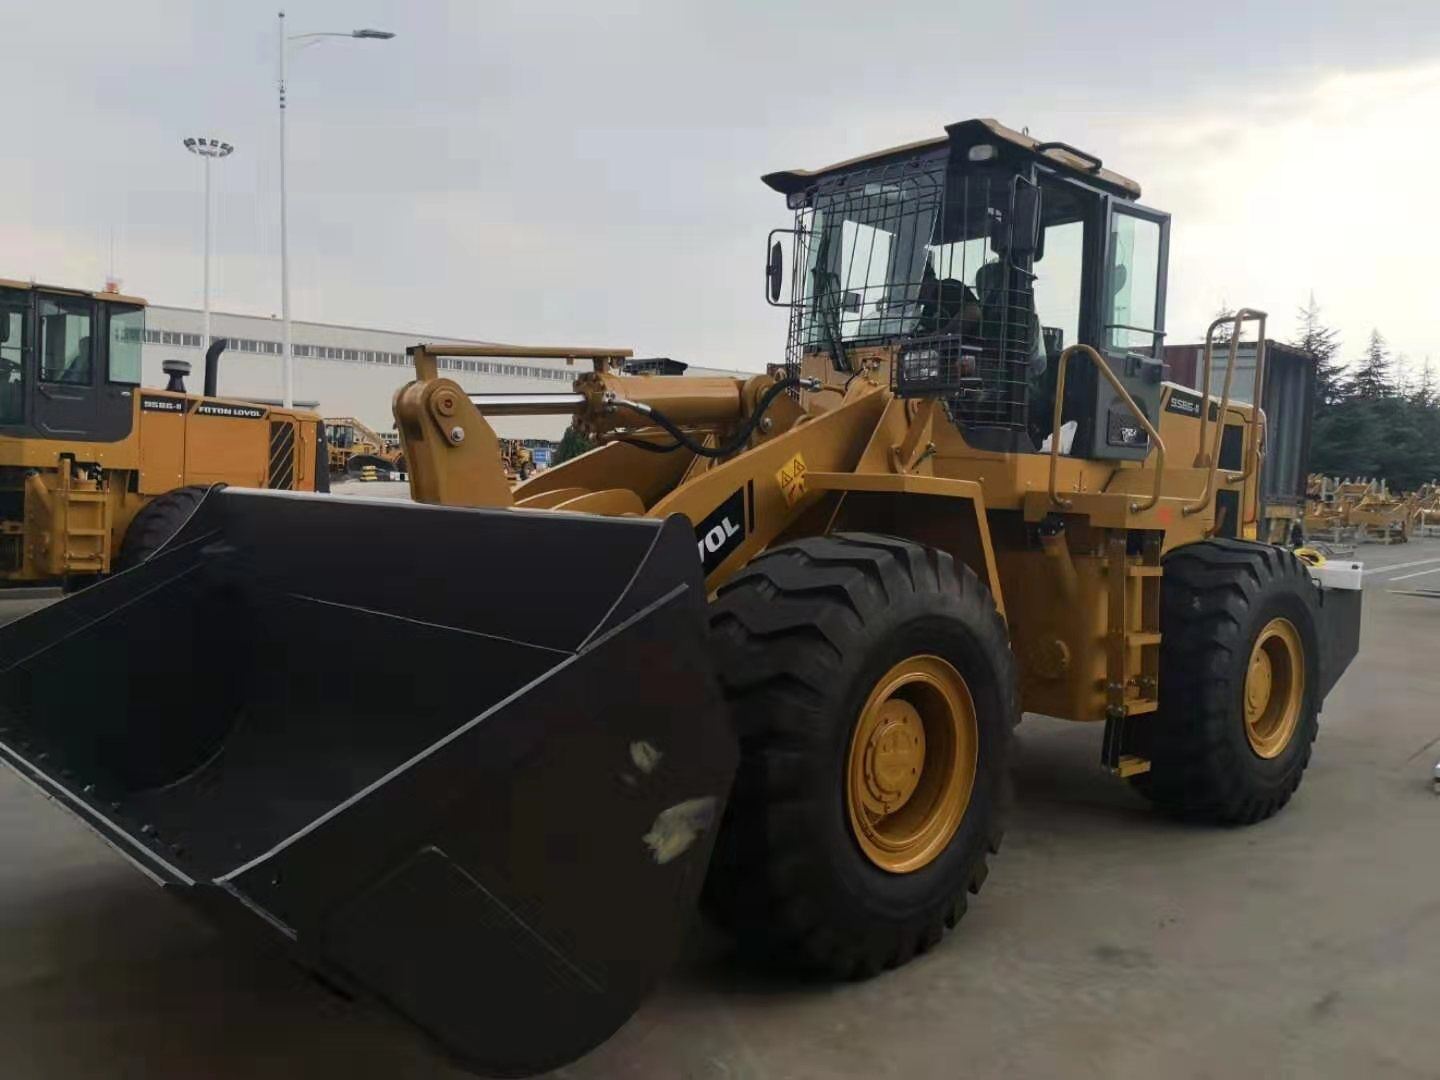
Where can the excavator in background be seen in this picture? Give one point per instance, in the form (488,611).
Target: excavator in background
(96,470)
(784,629)
(354,447)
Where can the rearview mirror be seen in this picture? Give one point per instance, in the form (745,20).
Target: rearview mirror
(775,272)
(1025,221)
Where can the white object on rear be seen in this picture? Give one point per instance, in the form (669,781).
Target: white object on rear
(1339,574)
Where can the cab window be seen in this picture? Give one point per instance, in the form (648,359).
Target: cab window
(1059,271)
(1134,281)
(127,334)
(66,352)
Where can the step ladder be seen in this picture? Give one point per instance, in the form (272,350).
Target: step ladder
(1132,653)
(87,531)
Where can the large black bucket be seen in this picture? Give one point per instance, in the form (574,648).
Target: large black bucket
(466,762)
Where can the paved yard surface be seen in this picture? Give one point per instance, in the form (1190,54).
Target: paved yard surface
(1109,942)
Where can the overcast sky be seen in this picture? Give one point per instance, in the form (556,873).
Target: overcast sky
(587,173)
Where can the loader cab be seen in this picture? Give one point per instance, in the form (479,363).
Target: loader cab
(973,261)
(69,363)
(340,436)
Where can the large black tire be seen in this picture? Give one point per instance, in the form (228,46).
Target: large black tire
(801,637)
(157,521)
(1217,596)
(359,462)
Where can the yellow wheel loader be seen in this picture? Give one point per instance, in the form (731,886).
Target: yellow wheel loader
(516,459)
(95,470)
(775,640)
(355,447)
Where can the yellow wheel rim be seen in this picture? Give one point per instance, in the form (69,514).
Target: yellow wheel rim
(912,764)
(1274,688)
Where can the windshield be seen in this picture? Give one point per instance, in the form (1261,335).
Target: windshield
(892,253)
(866,242)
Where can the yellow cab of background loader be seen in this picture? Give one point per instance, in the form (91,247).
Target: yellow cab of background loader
(84,448)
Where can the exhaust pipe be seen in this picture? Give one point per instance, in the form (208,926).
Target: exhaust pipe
(212,366)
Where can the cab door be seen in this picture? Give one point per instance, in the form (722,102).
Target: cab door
(68,361)
(1136,270)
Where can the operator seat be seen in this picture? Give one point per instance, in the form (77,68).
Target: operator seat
(1011,313)
(77,371)
(946,304)
(1012,324)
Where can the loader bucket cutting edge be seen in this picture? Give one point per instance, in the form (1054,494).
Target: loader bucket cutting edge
(497,823)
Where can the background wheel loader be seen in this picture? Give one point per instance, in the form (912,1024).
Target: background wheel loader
(95,470)
(354,446)
(516,460)
(811,608)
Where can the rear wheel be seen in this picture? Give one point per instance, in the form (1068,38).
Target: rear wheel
(873,689)
(157,521)
(1239,684)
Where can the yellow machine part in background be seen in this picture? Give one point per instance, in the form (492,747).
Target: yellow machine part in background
(83,447)
(75,501)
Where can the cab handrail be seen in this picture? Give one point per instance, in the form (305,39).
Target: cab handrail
(1252,434)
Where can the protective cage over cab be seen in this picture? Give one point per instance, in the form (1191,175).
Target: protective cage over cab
(966,265)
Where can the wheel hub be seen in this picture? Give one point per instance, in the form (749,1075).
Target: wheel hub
(912,764)
(1274,694)
(894,756)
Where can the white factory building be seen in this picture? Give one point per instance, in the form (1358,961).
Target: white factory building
(347,370)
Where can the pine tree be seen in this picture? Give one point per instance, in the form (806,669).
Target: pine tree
(1225,332)
(1422,394)
(1402,378)
(1321,344)
(1372,380)
(572,444)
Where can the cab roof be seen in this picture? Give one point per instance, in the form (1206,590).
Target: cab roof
(1061,156)
(38,286)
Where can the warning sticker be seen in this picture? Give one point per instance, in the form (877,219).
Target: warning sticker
(791,479)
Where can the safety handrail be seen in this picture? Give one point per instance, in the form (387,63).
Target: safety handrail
(1155,440)
(1250,462)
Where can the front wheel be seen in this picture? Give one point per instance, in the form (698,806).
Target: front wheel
(1239,684)
(872,686)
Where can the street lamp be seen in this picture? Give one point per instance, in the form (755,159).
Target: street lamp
(288,359)
(210,150)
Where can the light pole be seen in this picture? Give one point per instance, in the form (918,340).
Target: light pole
(209,149)
(287,356)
